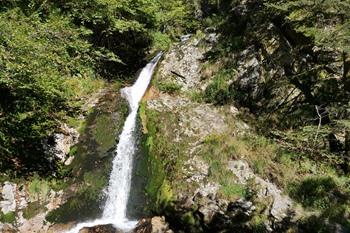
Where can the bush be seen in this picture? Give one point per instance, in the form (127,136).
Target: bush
(218,91)
(169,87)
(36,59)
(316,192)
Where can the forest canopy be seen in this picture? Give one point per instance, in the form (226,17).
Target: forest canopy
(53,54)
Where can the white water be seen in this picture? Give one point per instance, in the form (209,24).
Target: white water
(120,179)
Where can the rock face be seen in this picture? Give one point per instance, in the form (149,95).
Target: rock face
(60,143)
(184,59)
(281,204)
(17,200)
(8,203)
(100,229)
(152,225)
(202,204)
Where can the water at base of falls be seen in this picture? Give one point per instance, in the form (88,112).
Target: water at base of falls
(120,179)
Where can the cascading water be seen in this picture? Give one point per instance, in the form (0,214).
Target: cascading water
(120,179)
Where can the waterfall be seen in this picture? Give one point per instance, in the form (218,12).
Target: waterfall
(118,190)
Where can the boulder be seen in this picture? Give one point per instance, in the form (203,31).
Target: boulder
(152,225)
(101,229)
(8,193)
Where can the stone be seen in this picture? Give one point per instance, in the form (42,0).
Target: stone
(241,206)
(101,229)
(208,210)
(152,225)
(64,140)
(185,38)
(7,228)
(281,204)
(8,192)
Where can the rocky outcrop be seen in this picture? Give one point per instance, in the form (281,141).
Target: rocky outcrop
(101,229)
(281,206)
(152,225)
(28,209)
(8,203)
(201,206)
(63,141)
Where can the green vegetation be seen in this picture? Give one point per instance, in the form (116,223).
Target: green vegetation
(32,210)
(38,189)
(218,91)
(55,54)
(169,87)
(88,174)
(84,204)
(156,148)
(318,192)
(10,217)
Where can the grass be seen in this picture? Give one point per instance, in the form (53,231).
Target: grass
(9,217)
(169,87)
(32,210)
(218,91)
(38,189)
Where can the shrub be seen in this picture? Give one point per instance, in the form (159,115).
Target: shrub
(315,192)
(218,91)
(169,87)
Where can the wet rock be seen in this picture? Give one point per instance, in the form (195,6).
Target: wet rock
(208,211)
(205,198)
(8,193)
(153,225)
(211,38)
(101,229)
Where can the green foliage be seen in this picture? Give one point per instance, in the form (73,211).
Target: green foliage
(38,189)
(317,192)
(218,91)
(37,58)
(161,41)
(32,210)
(10,217)
(157,188)
(52,54)
(169,87)
(326,21)
(84,204)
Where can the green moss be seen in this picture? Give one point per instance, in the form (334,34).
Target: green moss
(189,219)
(73,150)
(234,190)
(84,204)
(32,210)
(157,189)
(10,217)
(104,134)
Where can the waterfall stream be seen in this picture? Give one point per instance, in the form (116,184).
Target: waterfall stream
(118,190)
